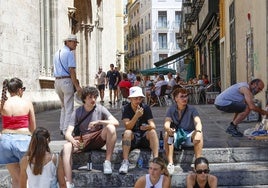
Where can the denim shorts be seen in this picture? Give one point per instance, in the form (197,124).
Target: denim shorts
(13,147)
(234,107)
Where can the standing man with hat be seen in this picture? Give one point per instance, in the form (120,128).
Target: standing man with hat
(140,127)
(66,80)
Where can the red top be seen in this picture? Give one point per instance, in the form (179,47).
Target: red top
(15,122)
(125,83)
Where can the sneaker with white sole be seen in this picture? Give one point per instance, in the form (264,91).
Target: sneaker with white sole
(233,130)
(170,168)
(107,167)
(124,167)
(69,185)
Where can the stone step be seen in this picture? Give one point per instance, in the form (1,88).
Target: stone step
(229,174)
(184,156)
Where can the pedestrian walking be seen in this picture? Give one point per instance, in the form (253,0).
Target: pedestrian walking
(65,79)
(91,127)
(101,82)
(140,127)
(238,99)
(18,123)
(112,81)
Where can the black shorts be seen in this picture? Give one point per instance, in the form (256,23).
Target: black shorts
(112,87)
(139,141)
(101,87)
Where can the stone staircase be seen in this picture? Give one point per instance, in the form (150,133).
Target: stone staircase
(234,167)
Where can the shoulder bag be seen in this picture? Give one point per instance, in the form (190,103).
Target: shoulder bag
(181,135)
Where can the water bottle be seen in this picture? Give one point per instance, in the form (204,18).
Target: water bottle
(161,141)
(140,162)
(89,162)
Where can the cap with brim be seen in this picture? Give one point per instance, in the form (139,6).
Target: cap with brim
(135,92)
(71,38)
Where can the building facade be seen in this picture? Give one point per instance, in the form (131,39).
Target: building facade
(32,31)
(153,32)
(229,40)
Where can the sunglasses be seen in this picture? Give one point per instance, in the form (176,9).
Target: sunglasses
(152,186)
(206,171)
(183,96)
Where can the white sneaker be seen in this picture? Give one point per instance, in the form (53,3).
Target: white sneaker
(170,168)
(124,167)
(107,167)
(69,185)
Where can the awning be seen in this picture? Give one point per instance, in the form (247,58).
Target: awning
(175,56)
(159,70)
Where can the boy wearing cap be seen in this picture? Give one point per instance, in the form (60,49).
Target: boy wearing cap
(65,79)
(140,127)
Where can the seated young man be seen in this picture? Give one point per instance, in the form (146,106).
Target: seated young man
(186,117)
(140,127)
(96,121)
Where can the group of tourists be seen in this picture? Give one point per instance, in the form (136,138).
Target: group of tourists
(25,149)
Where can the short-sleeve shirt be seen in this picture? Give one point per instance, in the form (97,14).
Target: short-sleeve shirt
(187,122)
(63,60)
(101,78)
(112,75)
(128,113)
(158,86)
(99,113)
(231,94)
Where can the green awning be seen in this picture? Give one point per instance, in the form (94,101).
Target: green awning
(175,56)
(159,70)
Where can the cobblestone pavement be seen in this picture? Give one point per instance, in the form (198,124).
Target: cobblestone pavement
(214,124)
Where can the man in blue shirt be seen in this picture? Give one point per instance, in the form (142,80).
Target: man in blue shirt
(66,80)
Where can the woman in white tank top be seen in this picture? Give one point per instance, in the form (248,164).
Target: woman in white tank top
(41,168)
(158,176)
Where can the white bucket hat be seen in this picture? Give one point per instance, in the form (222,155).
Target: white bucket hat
(135,92)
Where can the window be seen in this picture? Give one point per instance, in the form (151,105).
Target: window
(162,56)
(178,40)
(162,19)
(162,40)
(48,11)
(177,18)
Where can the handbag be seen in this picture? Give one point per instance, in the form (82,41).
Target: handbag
(181,135)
